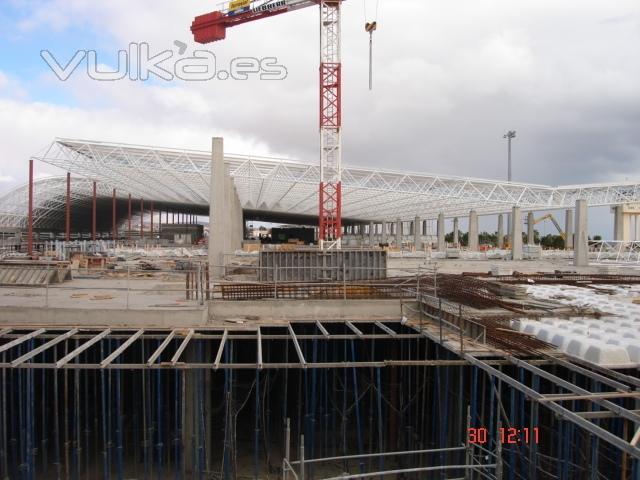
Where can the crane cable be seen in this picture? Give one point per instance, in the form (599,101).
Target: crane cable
(371,27)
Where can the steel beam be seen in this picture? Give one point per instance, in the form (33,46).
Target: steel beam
(384,328)
(323,330)
(160,349)
(21,339)
(223,341)
(82,348)
(354,329)
(182,346)
(43,347)
(303,362)
(116,353)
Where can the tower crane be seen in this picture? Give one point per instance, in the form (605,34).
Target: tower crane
(213,26)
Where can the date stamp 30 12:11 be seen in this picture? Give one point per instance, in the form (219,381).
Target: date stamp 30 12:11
(509,436)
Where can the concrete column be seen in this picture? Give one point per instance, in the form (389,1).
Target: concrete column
(372,234)
(637,217)
(417,236)
(501,231)
(236,218)
(441,233)
(581,238)
(217,227)
(473,231)
(618,223)
(399,233)
(530,229)
(568,229)
(516,234)
(456,232)
(383,237)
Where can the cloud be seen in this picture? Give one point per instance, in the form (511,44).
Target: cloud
(449,81)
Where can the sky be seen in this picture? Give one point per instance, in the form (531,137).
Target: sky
(450,78)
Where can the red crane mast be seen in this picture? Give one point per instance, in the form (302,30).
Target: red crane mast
(212,27)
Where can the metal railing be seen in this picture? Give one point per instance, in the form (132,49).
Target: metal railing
(479,462)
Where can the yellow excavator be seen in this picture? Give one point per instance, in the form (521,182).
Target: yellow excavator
(549,216)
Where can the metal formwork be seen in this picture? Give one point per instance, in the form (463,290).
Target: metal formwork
(322,265)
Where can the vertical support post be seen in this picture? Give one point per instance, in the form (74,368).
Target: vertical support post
(441,234)
(568,229)
(141,218)
(456,232)
(500,231)
(372,234)
(383,237)
(530,229)
(417,243)
(67,229)
(581,239)
(399,234)
(302,467)
(114,218)
(129,218)
(30,220)
(516,234)
(287,451)
(151,208)
(473,231)
(217,213)
(94,213)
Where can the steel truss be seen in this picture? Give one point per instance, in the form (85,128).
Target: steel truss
(182,177)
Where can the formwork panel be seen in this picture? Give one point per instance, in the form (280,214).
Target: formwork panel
(319,266)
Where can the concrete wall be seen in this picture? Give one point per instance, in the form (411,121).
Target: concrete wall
(285,310)
(107,317)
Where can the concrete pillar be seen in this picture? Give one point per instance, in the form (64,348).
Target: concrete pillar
(441,233)
(417,235)
(372,233)
(383,238)
(456,232)
(424,228)
(530,229)
(637,217)
(473,231)
(516,234)
(501,231)
(568,229)
(581,238)
(622,228)
(399,234)
(217,227)
(618,223)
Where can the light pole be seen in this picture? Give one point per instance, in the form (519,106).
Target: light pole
(510,135)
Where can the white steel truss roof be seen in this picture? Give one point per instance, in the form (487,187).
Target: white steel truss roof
(276,185)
